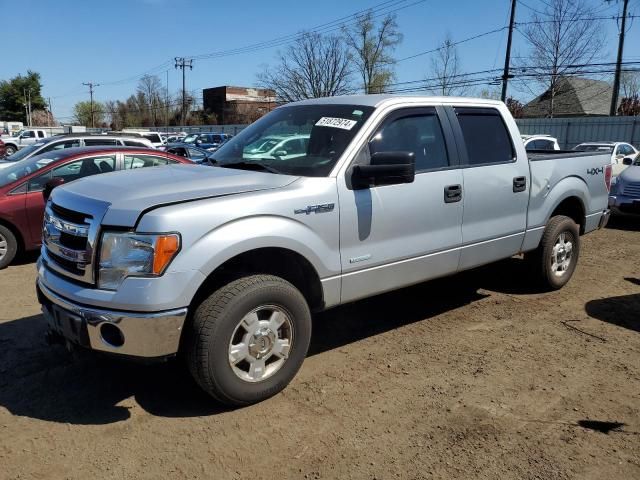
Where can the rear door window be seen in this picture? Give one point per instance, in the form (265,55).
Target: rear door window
(93,142)
(142,161)
(486,137)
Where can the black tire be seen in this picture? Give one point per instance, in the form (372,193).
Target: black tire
(8,246)
(9,150)
(542,259)
(215,322)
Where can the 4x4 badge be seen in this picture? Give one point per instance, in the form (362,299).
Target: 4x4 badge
(325,207)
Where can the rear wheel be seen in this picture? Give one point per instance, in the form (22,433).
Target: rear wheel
(8,246)
(556,258)
(249,339)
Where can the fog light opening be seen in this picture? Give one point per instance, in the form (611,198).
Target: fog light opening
(111,335)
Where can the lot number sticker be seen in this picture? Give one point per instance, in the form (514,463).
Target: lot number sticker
(343,123)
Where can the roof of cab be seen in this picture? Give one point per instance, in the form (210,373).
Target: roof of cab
(379,100)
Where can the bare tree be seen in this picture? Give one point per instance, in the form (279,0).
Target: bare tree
(149,97)
(629,84)
(315,66)
(372,47)
(445,70)
(563,35)
(43,118)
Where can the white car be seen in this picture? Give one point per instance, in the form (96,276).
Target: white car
(618,150)
(154,137)
(540,142)
(283,147)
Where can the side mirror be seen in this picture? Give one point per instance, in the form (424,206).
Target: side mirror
(627,161)
(279,153)
(386,168)
(50,185)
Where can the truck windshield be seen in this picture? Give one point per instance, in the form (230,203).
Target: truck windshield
(304,140)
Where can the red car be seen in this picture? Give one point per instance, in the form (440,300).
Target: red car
(3,149)
(21,187)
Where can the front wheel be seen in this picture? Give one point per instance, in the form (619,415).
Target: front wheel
(9,150)
(8,246)
(556,258)
(249,339)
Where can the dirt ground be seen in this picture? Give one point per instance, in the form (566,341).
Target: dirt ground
(474,376)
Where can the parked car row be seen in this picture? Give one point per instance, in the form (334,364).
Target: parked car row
(60,142)
(25,183)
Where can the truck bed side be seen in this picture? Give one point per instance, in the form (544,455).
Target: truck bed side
(575,180)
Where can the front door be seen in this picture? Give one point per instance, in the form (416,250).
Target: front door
(396,235)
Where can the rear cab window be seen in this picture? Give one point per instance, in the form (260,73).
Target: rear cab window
(486,137)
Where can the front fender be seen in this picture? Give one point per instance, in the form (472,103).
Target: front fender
(263,231)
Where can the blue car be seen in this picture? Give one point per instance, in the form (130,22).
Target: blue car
(208,141)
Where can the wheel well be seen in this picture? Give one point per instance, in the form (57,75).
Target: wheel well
(280,262)
(573,208)
(15,232)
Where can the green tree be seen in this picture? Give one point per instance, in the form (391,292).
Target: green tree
(14,93)
(82,113)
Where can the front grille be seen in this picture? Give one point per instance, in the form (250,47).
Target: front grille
(68,247)
(632,189)
(68,265)
(69,215)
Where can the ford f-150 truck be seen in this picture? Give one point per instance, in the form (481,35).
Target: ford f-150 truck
(226,264)
(24,137)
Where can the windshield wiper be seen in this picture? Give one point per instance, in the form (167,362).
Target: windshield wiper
(249,166)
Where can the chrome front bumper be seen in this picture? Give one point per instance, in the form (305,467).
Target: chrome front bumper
(136,334)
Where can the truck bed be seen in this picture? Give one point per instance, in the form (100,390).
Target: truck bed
(560,174)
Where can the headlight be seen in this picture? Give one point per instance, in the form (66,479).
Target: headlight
(129,254)
(616,185)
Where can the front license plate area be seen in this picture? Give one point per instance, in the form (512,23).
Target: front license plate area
(69,325)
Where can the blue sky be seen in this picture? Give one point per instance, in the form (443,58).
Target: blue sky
(112,42)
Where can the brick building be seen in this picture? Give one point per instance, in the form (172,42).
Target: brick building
(238,105)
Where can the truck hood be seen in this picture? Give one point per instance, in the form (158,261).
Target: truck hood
(126,194)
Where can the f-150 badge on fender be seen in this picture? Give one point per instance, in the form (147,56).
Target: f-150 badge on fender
(325,207)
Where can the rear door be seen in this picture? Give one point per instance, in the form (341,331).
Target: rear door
(495,186)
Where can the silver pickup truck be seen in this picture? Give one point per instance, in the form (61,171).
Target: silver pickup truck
(226,263)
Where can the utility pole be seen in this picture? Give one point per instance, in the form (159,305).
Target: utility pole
(50,116)
(26,107)
(507,57)
(616,79)
(182,63)
(166,115)
(91,86)
(30,118)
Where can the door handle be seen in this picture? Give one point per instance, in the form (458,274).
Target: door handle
(519,184)
(452,193)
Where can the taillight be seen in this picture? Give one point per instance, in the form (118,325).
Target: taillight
(607,177)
